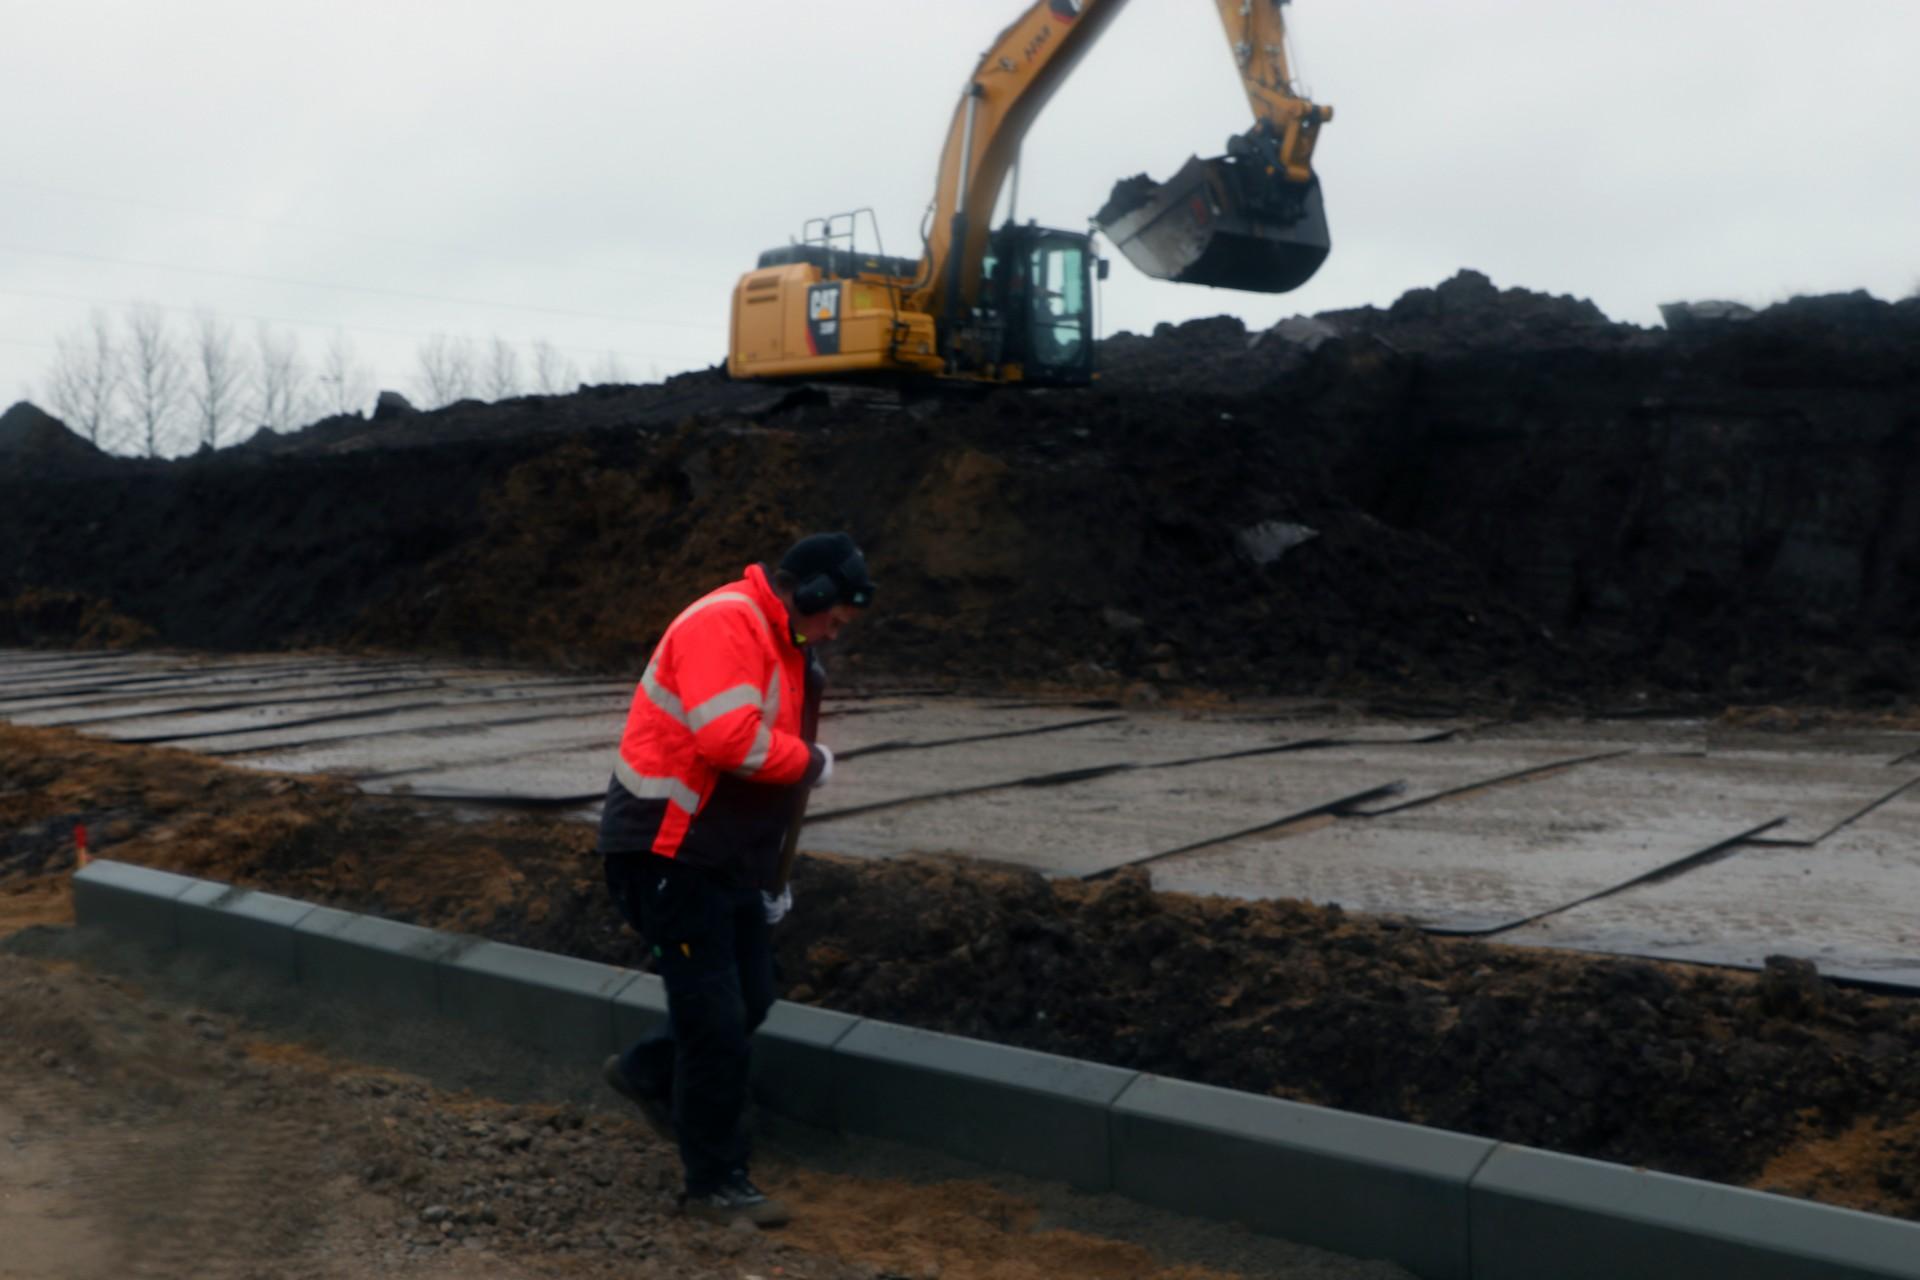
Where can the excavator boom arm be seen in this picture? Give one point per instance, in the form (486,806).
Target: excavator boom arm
(1257,34)
(1017,76)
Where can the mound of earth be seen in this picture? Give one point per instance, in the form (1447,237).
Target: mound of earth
(36,441)
(1476,495)
(1781,1081)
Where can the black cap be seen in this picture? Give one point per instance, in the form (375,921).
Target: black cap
(827,569)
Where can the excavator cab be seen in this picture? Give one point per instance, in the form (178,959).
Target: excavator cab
(1037,285)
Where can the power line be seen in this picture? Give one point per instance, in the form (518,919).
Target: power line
(346,288)
(344,232)
(305,324)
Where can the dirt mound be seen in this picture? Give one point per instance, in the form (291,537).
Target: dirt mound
(33,440)
(1781,1081)
(1476,495)
(37,617)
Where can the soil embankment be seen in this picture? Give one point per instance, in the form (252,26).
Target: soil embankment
(1473,495)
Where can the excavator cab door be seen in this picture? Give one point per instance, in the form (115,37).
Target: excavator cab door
(1040,281)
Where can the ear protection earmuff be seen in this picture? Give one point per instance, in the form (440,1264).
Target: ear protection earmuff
(846,585)
(817,594)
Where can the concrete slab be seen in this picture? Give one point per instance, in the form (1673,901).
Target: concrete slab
(133,716)
(1537,1214)
(556,1004)
(244,926)
(895,776)
(1485,860)
(795,1071)
(462,737)
(140,680)
(574,775)
(1371,1188)
(1095,825)
(18,665)
(1031,1113)
(130,902)
(381,962)
(1846,904)
(861,728)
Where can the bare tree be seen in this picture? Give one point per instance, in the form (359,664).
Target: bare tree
(553,373)
(282,398)
(216,380)
(83,387)
(345,383)
(610,370)
(503,370)
(446,369)
(156,376)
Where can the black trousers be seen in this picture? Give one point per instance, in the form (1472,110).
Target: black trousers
(710,946)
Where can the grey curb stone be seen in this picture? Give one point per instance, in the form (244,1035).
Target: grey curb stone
(1032,1113)
(554,1003)
(638,1008)
(241,925)
(795,1071)
(130,902)
(1351,1183)
(1536,1213)
(389,965)
(1354,1184)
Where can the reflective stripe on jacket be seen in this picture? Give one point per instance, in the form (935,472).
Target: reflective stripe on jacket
(712,749)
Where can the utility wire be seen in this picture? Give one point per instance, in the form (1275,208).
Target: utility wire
(304,324)
(348,288)
(476,251)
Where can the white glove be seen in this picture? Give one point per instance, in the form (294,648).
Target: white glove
(826,769)
(777,906)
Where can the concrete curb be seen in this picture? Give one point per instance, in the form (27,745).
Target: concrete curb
(1445,1206)
(1006,1108)
(1603,1221)
(1356,1184)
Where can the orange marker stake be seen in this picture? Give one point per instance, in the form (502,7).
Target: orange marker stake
(80,855)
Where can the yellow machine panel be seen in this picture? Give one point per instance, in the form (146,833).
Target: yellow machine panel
(789,320)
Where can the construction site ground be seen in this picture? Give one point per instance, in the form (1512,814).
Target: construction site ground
(1472,712)
(1776,1079)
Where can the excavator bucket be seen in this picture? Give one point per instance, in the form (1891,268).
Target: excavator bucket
(1226,222)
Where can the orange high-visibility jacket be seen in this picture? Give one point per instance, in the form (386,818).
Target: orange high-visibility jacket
(713,748)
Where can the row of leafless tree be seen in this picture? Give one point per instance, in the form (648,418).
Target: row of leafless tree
(453,369)
(145,385)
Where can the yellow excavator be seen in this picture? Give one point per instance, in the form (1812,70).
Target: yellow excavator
(1014,304)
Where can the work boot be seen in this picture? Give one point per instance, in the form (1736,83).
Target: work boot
(654,1109)
(736,1200)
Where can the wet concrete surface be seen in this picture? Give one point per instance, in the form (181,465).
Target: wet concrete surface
(1677,839)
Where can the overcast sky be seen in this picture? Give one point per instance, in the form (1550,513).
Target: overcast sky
(596,173)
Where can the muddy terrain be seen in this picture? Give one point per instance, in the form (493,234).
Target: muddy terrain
(1780,1080)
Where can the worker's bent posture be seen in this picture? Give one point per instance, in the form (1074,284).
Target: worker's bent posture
(706,783)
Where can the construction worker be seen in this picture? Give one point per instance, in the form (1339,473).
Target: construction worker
(712,767)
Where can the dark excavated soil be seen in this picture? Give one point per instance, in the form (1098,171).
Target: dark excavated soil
(1781,1080)
(1514,500)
